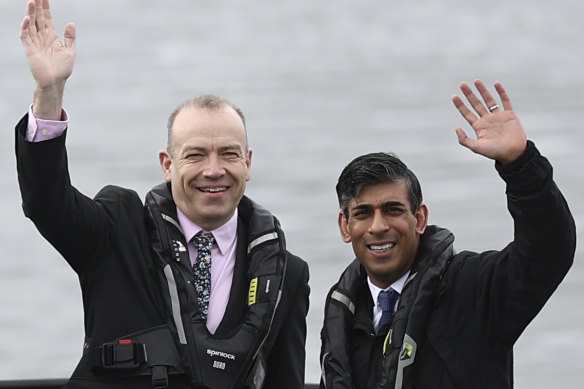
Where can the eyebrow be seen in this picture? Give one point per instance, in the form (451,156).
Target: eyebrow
(234,146)
(221,149)
(387,204)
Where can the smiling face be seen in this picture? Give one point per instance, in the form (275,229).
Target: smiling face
(384,232)
(208,163)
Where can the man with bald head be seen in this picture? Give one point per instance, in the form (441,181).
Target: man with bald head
(190,288)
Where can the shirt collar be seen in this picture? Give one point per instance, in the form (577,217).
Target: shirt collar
(224,235)
(398,286)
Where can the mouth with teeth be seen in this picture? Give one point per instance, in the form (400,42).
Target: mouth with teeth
(381,247)
(216,189)
(213,192)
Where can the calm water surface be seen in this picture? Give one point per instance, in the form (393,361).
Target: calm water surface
(320,82)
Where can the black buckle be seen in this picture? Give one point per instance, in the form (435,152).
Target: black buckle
(122,354)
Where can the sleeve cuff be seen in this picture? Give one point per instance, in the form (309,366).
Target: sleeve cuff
(39,130)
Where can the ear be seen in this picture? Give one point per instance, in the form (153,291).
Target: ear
(421,219)
(248,165)
(344,227)
(165,163)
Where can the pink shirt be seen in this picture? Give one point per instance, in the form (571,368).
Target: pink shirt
(222,252)
(39,129)
(222,263)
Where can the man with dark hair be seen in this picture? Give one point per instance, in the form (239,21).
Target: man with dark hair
(193,289)
(410,312)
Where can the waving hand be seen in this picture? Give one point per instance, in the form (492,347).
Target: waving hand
(50,60)
(499,133)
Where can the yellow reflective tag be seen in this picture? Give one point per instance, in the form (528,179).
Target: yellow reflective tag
(253,288)
(387,339)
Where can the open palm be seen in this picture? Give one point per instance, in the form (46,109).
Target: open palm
(51,61)
(499,133)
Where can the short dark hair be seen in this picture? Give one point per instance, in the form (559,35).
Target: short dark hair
(211,102)
(376,168)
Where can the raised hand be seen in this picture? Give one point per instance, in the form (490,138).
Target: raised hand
(499,133)
(50,60)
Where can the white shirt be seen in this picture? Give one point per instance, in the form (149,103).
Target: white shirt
(397,286)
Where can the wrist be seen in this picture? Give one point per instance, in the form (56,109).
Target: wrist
(48,102)
(513,153)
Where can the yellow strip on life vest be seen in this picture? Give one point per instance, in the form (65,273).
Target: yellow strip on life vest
(253,288)
(387,340)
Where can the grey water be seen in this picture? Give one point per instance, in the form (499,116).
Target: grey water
(320,82)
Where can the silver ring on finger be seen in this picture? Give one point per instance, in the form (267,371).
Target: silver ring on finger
(494,107)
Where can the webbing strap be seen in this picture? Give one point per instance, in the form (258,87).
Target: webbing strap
(150,352)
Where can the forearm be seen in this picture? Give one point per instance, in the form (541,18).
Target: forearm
(544,229)
(42,172)
(529,270)
(73,223)
(510,287)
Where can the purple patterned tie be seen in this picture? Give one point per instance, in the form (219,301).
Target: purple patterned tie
(387,300)
(202,270)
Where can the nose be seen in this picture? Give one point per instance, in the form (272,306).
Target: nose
(378,223)
(214,168)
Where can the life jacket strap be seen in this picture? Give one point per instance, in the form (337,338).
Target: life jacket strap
(149,352)
(159,377)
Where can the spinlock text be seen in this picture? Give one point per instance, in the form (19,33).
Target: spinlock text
(221,354)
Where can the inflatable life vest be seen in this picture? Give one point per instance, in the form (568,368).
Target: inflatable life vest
(423,287)
(236,360)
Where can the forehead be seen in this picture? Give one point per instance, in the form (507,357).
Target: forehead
(201,124)
(383,193)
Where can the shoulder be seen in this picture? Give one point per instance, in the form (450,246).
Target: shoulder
(117,192)
(296,268)
(295,288)
(112,196)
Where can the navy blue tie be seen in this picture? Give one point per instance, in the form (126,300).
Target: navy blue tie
(386,300)
(202,270)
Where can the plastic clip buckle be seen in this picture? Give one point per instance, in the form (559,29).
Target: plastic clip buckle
(122,354)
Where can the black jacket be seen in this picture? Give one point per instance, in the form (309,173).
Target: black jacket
(106,241)
(459,314)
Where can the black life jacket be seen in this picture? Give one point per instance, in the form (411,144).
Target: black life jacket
(236,360)
(424,286)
